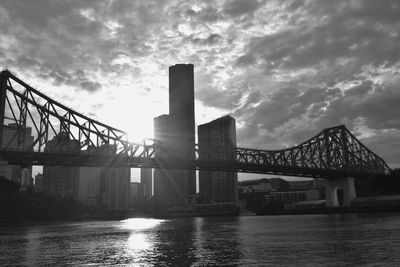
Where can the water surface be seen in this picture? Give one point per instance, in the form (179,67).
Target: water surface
(301,240)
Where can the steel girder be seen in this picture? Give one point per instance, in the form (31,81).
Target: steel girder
(333,153)
(24,107)
(62,136)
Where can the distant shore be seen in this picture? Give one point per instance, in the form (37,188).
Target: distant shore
(331,210)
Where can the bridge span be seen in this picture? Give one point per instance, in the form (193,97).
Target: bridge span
(334,153)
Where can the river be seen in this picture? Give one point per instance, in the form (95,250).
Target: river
(289,240)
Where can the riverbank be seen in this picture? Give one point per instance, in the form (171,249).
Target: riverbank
(366,209)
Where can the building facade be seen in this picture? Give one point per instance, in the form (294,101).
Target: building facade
(104,188)
(39,183)
(136,195)
(177,133)
(217,141)
(170,186)
(181,109)
(146,180)
(255,186)
(62,181)
(12,136)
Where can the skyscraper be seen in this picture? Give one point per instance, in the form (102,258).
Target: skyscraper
(12,135)
(176,131)
(181,109)
(104,187)
(170,186)
(62,180)
(217,141)
(146,176)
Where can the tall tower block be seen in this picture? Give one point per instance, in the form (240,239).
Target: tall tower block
(181,95)
(218,186)
(181,110)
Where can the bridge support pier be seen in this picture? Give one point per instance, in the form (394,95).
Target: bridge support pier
(339,192)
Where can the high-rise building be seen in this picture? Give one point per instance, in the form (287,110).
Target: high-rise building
(146,176)
(176,133)
(12,136)
(170,186)
(181,107)
(114,186)
(181,110)
(136,196)
(217,141)
(39,183)
(104,187)
(89,186)
(62,180)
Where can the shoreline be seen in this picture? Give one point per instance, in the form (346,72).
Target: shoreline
(336,210)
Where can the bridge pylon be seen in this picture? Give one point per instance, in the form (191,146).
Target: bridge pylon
(340,192)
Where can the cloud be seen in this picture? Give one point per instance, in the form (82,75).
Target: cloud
(353,33)
(386,143)
(240,7)
(284,69)
(293,115)
(212,39)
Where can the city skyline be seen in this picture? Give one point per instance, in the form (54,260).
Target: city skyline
(200,133)
(283,70)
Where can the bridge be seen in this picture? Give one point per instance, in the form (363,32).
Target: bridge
(44,129)
(334,153)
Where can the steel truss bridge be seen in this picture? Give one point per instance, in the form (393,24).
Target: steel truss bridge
(333,153)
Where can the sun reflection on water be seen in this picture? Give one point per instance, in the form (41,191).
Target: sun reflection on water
(140,243)
(140,223)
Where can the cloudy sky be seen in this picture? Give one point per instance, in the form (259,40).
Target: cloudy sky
(284,69)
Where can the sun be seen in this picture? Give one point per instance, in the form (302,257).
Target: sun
(135,118)
(139,129)
(132,104)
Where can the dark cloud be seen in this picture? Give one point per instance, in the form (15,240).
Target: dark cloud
(227,99)
(79,78)
(339,35)
(212,39)
(208,14)
(295,115)
(90,86)
(240,7)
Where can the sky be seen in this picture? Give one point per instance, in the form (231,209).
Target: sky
(285,70)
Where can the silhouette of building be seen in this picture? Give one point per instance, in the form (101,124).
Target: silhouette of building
(278,184)
(89,186)
(62,180)
(146,176)
(114,187)
(217,141)
(136,195)
(181,108)
(169,185)
(301,185)
(39,183)
(255,186)
(97,187)
(176,131)
(104,187)
(12,136)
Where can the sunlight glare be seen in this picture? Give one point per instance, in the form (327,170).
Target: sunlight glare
(140,223)
(138,241)
(133,114)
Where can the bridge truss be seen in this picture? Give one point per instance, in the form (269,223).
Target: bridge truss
(37,130)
